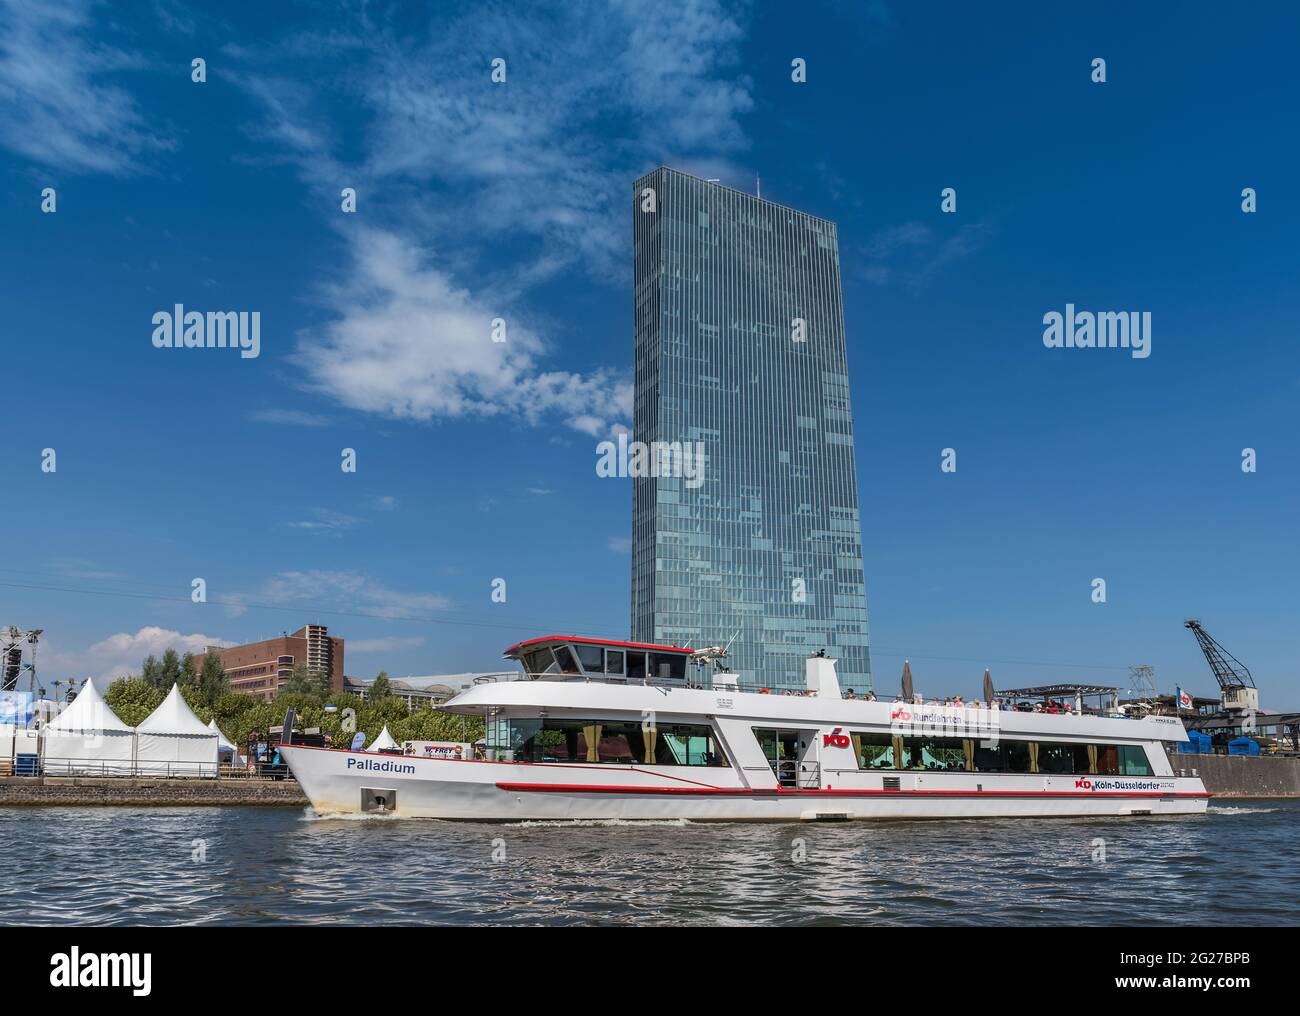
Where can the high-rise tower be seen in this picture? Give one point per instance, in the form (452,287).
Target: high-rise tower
(740,346)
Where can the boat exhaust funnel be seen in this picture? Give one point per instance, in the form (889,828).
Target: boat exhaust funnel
(822,680)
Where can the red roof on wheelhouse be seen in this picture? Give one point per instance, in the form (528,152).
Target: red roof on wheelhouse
(545,639)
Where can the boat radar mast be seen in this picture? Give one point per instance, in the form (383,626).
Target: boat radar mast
(715,655)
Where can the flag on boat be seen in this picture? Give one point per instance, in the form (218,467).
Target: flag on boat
(1183,699)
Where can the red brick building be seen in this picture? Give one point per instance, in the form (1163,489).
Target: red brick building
(259,668)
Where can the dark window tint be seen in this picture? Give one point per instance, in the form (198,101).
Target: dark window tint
(668,666)
(592,658)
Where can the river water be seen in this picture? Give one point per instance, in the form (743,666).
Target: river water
(1239,864)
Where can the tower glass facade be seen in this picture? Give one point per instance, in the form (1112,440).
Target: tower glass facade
(740,346)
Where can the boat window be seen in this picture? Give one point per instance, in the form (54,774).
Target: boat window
(1004,756)
(621,742)
(506,738)
(1064,759)
(690,745)
(938,753)
(636,666)
(538,661)
(883,751)
(613,661)
(564,657)
(1133,760)
(874,751)
(668,666)
(592,658)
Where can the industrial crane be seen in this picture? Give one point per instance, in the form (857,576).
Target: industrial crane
(1238,687)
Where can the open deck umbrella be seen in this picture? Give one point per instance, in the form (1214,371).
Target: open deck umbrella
(907,681)
(989,693)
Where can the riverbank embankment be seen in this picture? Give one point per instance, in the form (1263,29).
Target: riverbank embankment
(125,790)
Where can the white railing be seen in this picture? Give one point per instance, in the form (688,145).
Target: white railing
(716,681)
(132,768)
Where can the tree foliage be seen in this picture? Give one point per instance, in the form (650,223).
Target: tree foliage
(213,683)
(169,670)
(133,698)
(151,671)
(303,682)
(380,687)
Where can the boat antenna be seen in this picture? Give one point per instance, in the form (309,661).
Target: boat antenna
(714,655)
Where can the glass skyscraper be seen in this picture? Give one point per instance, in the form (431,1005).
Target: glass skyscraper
(740,346)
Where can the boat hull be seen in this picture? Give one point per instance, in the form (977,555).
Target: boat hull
(404,786)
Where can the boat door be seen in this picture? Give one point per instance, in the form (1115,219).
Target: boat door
(789,754)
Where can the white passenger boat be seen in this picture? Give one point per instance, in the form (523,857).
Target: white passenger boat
(597,729)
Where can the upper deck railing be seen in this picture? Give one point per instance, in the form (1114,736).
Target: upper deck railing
(699,679)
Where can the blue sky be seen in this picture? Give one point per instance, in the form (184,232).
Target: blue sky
(479,200)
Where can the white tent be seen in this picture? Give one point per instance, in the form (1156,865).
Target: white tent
(172,741)
(224,745)
(384,740)
(87,738)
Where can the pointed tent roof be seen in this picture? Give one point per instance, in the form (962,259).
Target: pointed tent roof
(222,740)
(173,716)
(384,740)
(88,711)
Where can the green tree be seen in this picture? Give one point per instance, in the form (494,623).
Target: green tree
(425,724)
(193,697)
(213,682)
(133,698)
(169,670)
(305,683)
(189,671)
(237,715)
(151,671)
(381,687)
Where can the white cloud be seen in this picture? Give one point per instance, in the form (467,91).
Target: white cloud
(515,183)
(123,653)
(669,64)
(910,253)
(59,111)
(406,342)
(336,591)
(326,520)
(83,569)
(620,544)
(289,417)
(534,155)
(385,503)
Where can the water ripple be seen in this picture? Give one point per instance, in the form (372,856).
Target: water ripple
(167,866)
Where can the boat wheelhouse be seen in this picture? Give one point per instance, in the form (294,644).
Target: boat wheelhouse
(603,729)
(570,657)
